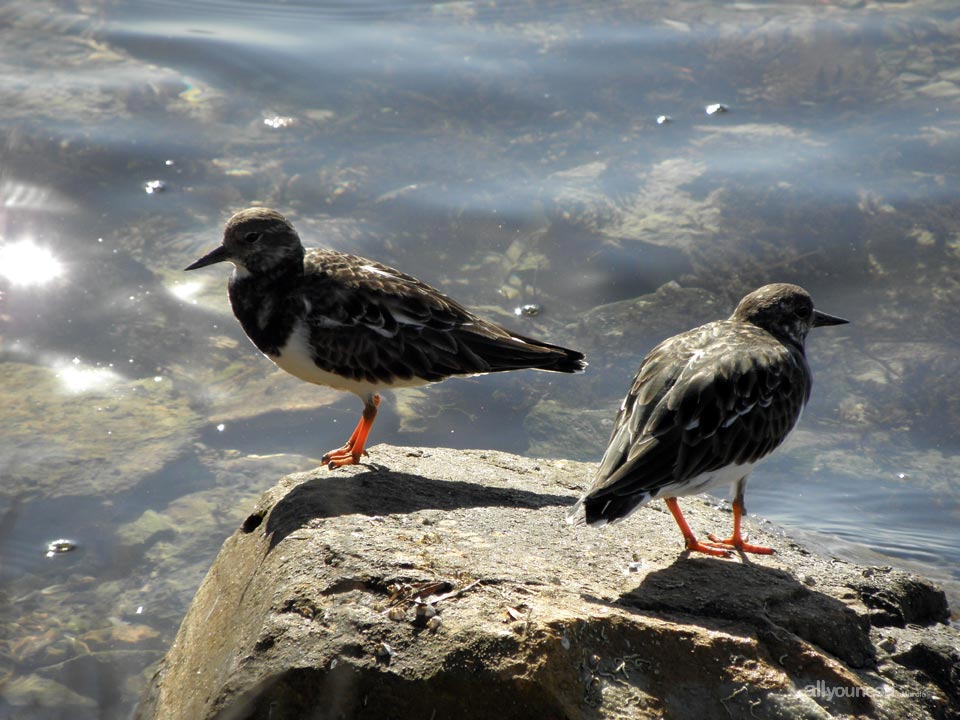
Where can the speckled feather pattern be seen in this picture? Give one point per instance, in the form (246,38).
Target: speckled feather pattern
(362,320)
(369,321)
(698,403)
(707,404)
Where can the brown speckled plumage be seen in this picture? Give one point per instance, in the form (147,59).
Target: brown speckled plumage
(707,404)
(356,324)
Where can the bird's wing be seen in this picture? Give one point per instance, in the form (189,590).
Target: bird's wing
(700,401)
(354,291)
(370,321)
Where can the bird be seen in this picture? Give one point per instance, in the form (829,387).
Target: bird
(705,406)
(357,325)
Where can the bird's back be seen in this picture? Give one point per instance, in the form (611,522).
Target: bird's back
(723,394)
(373,323)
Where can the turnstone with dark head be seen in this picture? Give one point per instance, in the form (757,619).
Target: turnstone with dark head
(353,324)
(705,406)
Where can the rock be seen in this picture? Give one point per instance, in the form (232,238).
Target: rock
(441,583)
(150,526)
(33,691)
(109,437)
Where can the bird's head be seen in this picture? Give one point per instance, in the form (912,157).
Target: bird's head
(256,241)
(785,311)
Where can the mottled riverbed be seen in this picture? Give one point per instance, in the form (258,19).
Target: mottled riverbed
(549,154)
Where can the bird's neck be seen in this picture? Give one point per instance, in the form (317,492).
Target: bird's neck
(792,340)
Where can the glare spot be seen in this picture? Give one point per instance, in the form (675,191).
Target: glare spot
(278,121)
(158,378)
(78,378)
(186,291)
(221,427)
(25,263)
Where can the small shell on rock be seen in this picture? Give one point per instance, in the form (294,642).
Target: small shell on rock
(716,108)
(383,651)
(396,612)
(426,611)
(513,614)
(434,623)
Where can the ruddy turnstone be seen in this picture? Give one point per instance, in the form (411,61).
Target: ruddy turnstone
(705,406)
(354,324)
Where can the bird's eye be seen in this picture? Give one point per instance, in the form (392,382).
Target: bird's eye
(251,237)
(803,312)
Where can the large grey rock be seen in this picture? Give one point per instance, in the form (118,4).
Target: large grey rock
(442,583)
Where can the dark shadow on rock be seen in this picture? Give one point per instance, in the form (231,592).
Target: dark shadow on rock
(766,598)
(384,492)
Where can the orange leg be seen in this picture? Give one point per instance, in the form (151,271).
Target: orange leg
(736,541)
(689,538)
(350,453)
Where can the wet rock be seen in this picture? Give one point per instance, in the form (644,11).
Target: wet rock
(632,327)
(939,662)
(33,691)
(902,600)
(294,616)
(150,526)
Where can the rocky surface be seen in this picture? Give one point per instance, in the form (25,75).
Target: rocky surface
(441,583)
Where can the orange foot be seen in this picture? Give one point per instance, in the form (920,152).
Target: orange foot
(342,456)
(708,548)
(689,539)
(736,542)
(352,450)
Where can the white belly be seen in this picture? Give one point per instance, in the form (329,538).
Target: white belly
(707,481)
(296,359)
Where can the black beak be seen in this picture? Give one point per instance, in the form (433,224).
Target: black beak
(819,319)
(217,255)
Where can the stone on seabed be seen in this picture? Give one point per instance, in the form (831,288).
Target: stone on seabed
(539,619)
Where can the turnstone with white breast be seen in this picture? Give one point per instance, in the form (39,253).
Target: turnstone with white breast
(354,324)
(705,406)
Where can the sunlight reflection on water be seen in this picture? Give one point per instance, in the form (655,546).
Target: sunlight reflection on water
(25,263)
(509,153)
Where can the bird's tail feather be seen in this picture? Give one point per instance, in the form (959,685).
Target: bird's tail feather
(517,352)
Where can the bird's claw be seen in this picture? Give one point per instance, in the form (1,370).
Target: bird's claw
(738,544)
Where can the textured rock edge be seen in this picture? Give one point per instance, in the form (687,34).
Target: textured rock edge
(321,606)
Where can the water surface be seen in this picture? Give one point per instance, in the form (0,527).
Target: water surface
(508,152)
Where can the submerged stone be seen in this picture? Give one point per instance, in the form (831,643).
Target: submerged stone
(95,442)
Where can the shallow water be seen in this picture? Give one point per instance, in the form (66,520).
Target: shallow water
(508,152)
